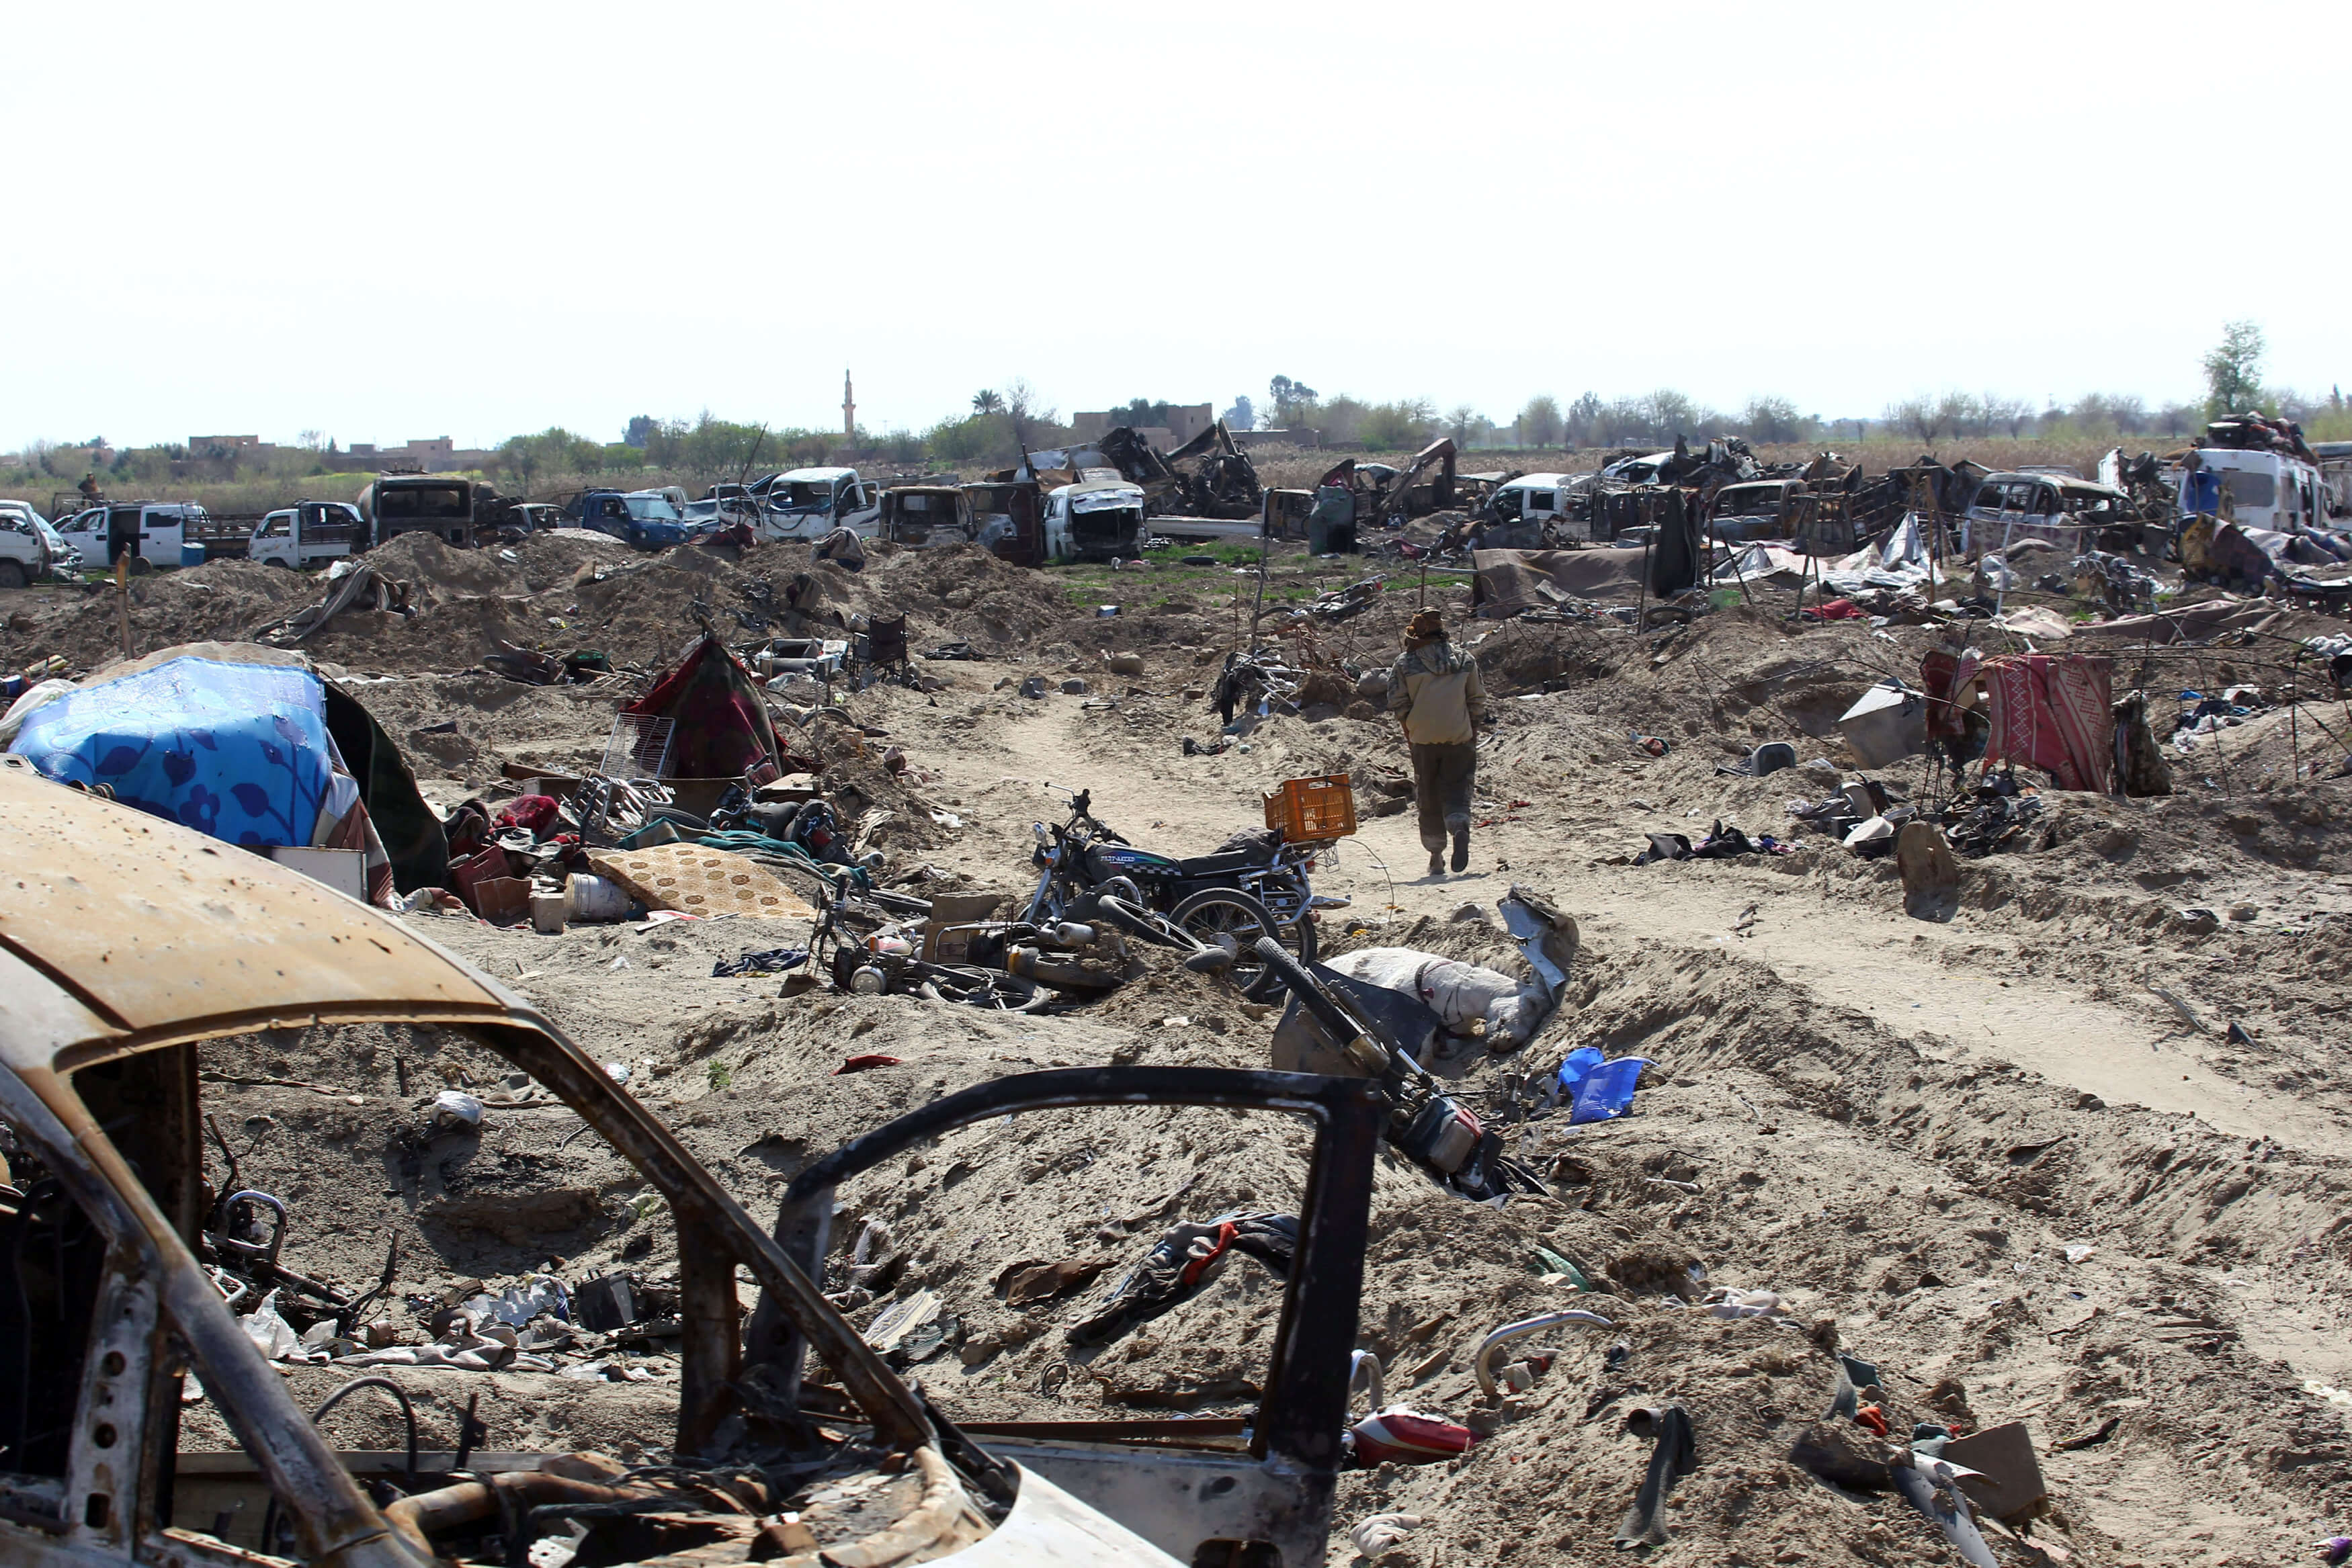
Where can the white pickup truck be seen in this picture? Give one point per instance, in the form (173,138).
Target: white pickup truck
(306,534)
(810,503)
(31,550)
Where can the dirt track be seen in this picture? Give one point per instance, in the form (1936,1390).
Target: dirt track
(1901,1125)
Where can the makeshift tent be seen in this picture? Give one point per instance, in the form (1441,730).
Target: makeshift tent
(720,724)
(249,745)
(1509,580)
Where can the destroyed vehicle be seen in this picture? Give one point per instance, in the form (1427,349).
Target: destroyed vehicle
(924,516)
(2066,512)
(446,505)
(810,503)
(644,520)
(2262,488)
(136,940)
(1008,513)
(27,554)
(1094,519)
(1545,499)
(1759,510)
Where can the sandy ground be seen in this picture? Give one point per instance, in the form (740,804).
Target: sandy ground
(1911,1129)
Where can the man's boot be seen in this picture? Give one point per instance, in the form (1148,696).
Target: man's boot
(1461,844)
(1436,855)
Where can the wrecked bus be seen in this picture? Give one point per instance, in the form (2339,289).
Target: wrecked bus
(127,940)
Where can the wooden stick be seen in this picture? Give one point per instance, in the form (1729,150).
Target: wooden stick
(122,596)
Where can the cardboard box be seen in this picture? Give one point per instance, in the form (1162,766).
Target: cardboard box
(345,870)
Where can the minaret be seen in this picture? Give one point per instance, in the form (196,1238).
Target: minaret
(848,411)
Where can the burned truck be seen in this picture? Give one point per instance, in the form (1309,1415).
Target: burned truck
(126,941)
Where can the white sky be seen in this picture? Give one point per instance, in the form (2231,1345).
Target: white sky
(391,220)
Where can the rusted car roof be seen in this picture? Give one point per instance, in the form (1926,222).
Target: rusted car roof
(153,931)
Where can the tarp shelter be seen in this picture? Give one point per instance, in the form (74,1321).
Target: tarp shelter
(1511,580)
(720,720)
(246,744)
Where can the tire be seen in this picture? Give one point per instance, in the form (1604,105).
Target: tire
(1299,937)
(12,574)
(281,561)
(1215,911)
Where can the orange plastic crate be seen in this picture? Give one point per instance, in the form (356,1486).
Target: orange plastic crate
(1309,808)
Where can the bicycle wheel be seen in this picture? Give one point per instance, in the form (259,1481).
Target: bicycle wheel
(1216,912)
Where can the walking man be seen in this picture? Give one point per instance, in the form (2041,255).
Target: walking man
(1437,695)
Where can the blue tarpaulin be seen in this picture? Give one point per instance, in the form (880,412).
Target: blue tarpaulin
(239,751)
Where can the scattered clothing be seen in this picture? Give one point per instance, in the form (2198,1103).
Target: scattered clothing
(1674,1456)
(774,961)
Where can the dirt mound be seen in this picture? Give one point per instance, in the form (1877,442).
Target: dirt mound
(219,601)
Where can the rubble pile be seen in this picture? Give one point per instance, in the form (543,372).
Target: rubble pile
(1923,1150)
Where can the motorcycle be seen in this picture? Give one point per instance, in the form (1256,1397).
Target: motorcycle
(1245,894)
(1426,1125)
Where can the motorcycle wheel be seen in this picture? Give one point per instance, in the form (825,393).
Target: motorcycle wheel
(1219,911)
(1300,935)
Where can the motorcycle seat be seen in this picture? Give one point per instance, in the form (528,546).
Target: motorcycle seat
(1200,866)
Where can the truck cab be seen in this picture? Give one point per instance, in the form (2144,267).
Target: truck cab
(1094,519)
(1008,513)
(924,516)
(810,503)
(438,503)
(305,534)
(645,519)
(148,534)
(25,554)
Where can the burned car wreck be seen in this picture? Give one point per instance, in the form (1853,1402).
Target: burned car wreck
(125,942)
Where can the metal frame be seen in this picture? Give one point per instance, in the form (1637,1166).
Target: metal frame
(1177,1497)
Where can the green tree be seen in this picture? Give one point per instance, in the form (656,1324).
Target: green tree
(2234,369)
(1540,421)
(985,401)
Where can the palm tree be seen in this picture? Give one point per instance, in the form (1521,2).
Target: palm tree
(987,402)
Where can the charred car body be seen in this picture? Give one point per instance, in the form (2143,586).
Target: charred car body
(158,939)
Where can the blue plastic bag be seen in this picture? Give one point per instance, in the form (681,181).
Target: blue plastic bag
(1598,1090)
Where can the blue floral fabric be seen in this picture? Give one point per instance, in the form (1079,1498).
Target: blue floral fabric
(239,751)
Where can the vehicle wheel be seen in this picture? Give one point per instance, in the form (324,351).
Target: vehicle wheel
(12,574)
(281,561)
(1300,936)
(1219,911)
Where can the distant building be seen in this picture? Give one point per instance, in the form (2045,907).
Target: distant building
(221,445)
(1184,422)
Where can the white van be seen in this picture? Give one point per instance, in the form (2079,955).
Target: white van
(143,531)
(2266,489)
(1543,498)
(1094,519)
